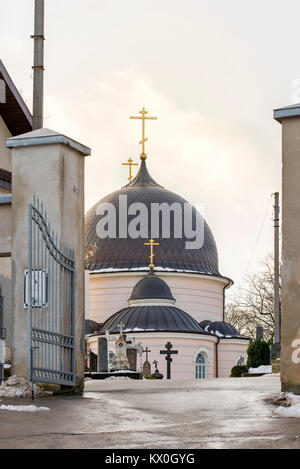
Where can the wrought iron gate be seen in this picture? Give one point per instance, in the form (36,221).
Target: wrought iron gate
(2,340)
(49,296)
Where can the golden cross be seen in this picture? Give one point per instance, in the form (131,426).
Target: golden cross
(151,244)
(143,118)
(130,164)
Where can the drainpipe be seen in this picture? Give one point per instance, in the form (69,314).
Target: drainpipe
(217,358)
(230,282)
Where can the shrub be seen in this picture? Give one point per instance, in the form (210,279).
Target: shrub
(258,353)
(238,370)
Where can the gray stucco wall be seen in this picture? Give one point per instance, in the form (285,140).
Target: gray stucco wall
(54,173)
(290,316)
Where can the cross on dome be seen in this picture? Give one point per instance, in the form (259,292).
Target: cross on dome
(143,117)
(130,163)
(151,244)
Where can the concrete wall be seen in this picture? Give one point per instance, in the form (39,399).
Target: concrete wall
(55,173)
(290,325)
(5,229)
(201,297)
(5,237)
(5,285)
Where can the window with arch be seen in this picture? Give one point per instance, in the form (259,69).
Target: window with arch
(200,366)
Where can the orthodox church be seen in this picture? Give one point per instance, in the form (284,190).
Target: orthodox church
(178,299)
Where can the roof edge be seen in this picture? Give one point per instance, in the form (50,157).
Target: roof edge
(286,112)
(16,93)
(46,137)
(168,271)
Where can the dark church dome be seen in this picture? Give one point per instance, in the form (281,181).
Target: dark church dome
(150,318)
(205,323)
(117,254)
(151,287)
(223,329)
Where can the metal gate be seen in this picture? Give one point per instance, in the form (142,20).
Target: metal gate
(2,340)
(49,296)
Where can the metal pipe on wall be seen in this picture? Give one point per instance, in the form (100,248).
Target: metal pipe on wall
(38,67)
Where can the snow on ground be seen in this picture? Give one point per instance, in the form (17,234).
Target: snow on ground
(23,408)
(291,407)
(261,369)
(111,378)
(20,387)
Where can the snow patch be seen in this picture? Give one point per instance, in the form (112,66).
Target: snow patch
(261,369)
(146,269)
(291,406)
(137,329)
(21,387)
(23,408)
(114,378)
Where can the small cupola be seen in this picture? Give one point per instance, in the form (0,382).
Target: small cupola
(151,290)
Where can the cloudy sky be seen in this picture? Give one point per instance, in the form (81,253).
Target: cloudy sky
(212,71)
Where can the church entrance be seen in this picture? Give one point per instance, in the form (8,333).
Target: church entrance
(200,366)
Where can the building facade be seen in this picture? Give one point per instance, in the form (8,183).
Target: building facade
(207,346)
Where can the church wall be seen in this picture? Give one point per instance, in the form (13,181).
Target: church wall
(201,297)
(229,353)
(183,366)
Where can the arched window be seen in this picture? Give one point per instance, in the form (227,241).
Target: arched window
(200,366)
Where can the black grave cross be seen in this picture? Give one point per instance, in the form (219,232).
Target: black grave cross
(168,357)
(146,351)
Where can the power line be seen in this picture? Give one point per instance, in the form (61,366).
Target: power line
(258,235)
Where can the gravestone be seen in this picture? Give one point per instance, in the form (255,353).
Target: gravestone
(93,362)
(259,333)
(102,354)
(156,374)
(146,368)
(120,360)
(132,358)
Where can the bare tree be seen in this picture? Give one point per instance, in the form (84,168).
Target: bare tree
(253,304)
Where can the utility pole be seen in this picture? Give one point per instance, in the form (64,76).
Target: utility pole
(276,272)
(38,67)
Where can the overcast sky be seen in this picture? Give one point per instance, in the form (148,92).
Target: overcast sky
(212,71)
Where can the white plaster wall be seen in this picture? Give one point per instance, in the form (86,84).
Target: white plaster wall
(201,297)
(183,366)
(229,353)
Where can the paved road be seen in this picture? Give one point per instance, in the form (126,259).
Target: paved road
(224,413)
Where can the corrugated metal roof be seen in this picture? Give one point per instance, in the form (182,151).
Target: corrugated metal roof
(152,319)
